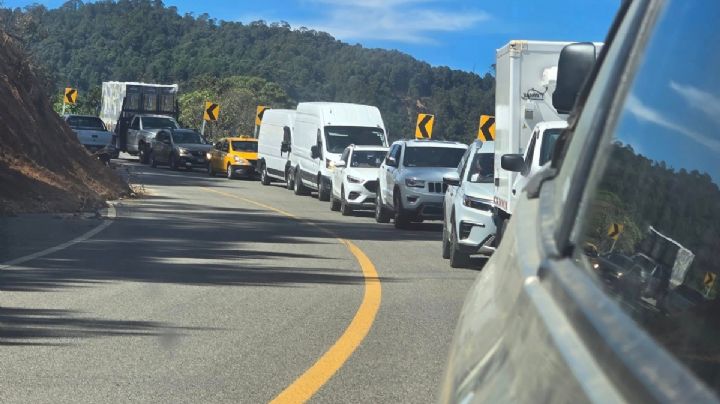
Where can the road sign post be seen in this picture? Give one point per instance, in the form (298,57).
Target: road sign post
(486,129)
(424,126)
(211,113)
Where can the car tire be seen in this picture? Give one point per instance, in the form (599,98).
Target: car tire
(289,184)
(345,209)
(458,258)
(381,214)
(229,172)
(445,241)
(143,154)
(334,204)
(323,192)
(298,186)
(264,179)
(153,162)
(401,220)
(210,170)
(173,163)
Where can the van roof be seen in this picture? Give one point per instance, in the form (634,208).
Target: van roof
(433,143)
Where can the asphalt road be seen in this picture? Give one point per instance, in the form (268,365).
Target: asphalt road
(200,292)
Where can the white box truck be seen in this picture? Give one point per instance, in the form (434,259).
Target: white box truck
(526,72)
(126,104)
(322,132)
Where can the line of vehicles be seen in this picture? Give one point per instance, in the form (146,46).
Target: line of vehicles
(341,151)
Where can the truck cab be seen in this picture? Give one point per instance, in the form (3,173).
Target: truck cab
(142,131)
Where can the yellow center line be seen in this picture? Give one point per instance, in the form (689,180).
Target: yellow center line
(305,386)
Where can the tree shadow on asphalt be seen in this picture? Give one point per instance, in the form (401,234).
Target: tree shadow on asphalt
(44,327)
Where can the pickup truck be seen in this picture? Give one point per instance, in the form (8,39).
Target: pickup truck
(90,130)
(142,131)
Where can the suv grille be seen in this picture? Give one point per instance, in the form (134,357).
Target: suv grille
(437,187)
(371,186)
(197,153)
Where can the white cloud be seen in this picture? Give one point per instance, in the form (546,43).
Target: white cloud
(699,99)
(647,114)
(409,21)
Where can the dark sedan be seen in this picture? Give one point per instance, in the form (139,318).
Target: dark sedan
(179,148)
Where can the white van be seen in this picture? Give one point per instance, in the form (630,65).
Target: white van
(321,133)
(274,144)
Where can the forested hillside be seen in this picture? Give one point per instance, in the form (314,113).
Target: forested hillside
(141,40)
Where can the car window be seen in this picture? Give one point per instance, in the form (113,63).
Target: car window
(657,199)
(463,164)
(550,137)
(367,158)
(530,151)
(395,152)
(135,124)
(225,146)
(482,168)
(158,122)
(245,146)
(85,122)
(340,137)
(187,137)
(432,156)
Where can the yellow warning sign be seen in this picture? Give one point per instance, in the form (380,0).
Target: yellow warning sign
(424,127)
(259,114)
(709,279)
(486,130)
(615,230)
(71,95)
(212,111)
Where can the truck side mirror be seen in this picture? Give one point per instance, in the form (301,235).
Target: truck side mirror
(513,162)
(391,161)
(574,66)
(315,152)
(451,179)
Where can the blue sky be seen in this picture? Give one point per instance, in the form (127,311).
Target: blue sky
(462,34)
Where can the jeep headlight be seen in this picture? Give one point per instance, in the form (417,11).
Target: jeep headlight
(414,183)
(241,161)
(183,151)
(208,156)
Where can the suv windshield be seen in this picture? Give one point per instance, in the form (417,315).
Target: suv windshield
(85,122)
(433,156)
(367,158)
(548,144)
(187,137)
(340,137)
(482,168)
(244,146)
(153,122)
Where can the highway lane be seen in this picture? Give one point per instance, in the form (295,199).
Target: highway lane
(195,294)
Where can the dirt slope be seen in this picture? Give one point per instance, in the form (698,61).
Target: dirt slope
(43,168)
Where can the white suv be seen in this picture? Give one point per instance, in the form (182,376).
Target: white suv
(468,226)
(354,178)
(410,180)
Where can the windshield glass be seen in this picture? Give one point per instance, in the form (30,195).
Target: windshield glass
(433,156)
(548,144)
(340,137)
(187,137)
(244,146)
(85,122)
(367,158)
(482,168)
(154,122)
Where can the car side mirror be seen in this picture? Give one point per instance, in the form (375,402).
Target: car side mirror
(513,162)
(575,64)
(452,179)
(315,152)
(391,161)
(340,164)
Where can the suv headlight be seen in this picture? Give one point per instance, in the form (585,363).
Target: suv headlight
(241,161)
(183,151)
(414,183)
(476,203)
(354,180)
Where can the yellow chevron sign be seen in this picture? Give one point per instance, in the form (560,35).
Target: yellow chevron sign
(424,127)
(486,130)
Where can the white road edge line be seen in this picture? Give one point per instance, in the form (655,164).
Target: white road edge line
(111,214)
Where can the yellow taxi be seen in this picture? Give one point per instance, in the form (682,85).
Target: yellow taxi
(234,156)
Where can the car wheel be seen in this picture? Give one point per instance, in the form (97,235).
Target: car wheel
(381,214)
(299,188)
(323,192)
(264,179)
(445,241)
(153,162)
(334,204)
(289,183)
(401,219)
(229,172)
(345,209)
(173,162)
(143,153)
(458,259)
(210,170)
